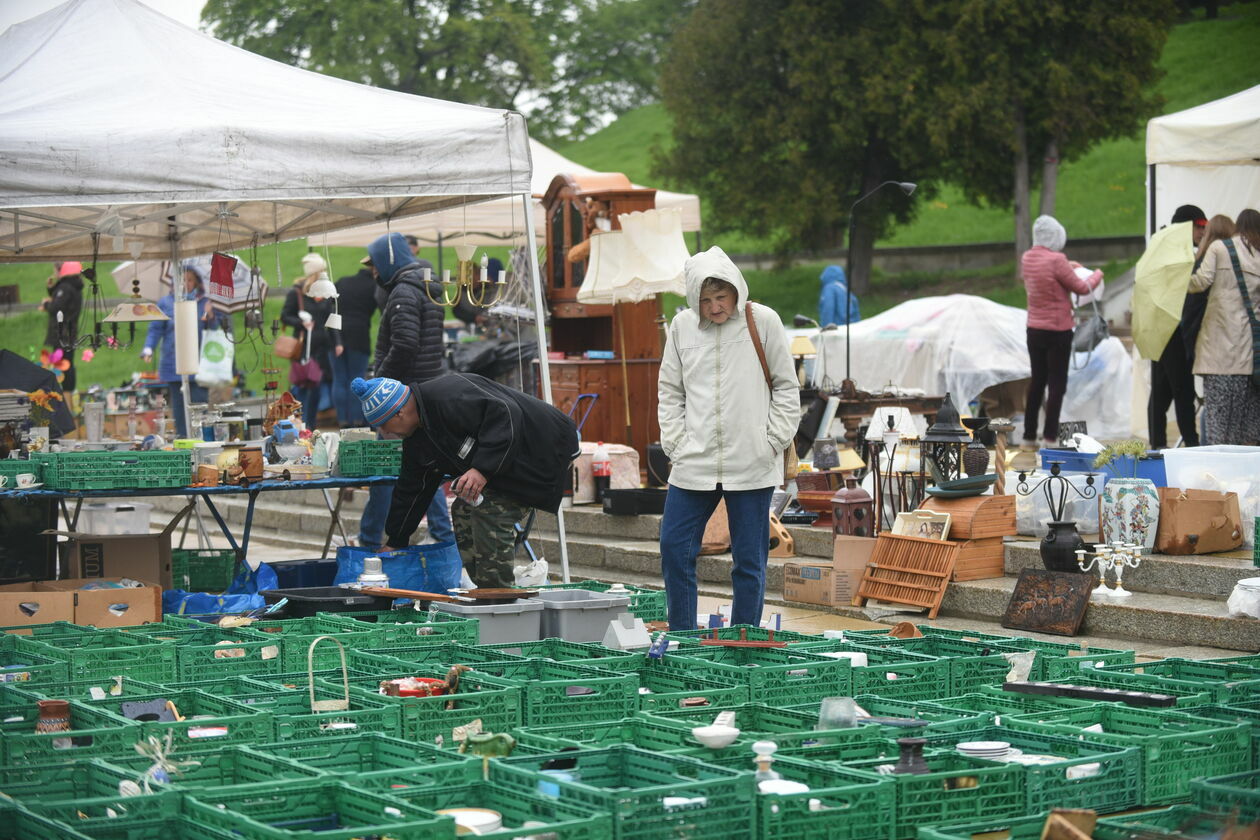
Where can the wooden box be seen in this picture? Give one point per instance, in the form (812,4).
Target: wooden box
(979,559)
(977,517)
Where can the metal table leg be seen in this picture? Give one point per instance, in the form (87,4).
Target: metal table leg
(223,525)
(249,523)
(335,512)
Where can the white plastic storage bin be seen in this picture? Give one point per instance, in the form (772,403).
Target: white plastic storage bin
(114,518)
(579,615)
(1229,469)
(518,621)
(1032,512)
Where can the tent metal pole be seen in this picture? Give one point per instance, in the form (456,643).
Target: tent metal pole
(540,316)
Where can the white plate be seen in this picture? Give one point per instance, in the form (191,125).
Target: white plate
(984,746)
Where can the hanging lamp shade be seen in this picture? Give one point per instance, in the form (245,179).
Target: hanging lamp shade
(135,309)
(323,288)
(643,259)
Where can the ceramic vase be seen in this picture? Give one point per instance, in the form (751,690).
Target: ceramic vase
(1058,547)
(1129,512)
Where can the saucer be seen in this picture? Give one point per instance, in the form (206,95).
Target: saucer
(34,486)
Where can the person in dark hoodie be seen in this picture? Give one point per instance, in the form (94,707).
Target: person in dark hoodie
(409,348)
(508,451)
(63,304)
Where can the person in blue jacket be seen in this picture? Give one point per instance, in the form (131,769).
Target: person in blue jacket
(834,298)
(192,287)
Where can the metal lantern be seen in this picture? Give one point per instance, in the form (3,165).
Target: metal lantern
(853,511)
(945,442)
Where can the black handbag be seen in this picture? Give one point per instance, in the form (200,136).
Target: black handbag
(1090,332)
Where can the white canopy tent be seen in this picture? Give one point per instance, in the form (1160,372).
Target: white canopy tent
(124,134)
(936,345)
(1208,156)
(493,222)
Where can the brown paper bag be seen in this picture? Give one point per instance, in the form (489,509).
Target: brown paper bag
(1197,521)
(717,534)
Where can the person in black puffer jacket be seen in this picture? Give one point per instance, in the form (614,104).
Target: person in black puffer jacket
(409,348)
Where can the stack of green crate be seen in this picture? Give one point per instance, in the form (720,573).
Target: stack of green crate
(115,470)
(365,458)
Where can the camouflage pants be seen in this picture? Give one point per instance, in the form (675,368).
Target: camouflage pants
(486,538)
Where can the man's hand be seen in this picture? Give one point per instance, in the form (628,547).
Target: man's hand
(469,485)
(392,548)
(146,354)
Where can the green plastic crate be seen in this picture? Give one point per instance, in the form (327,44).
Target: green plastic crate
(900,675)
(647,604)
(163,828)
(1248,712)
(1107,828)
(125,687)
(1182,822)
(82,779)
(1005,703)
(20,824)
(1186,694)
(971,664)
(1108,777)
(218,767)
(647,732)
(93,732)
(211,653)
(1236,793)
(209,720)
(115,470)
(525,816)
(744,632)
(841,804)
(1062,660)
(203,569)
(327,809)
(105,654)
(406,627)
(291,709)
(557,692)
(52,628)
(1175,748)
(957,788)
(712,802)
(773,675)
(362,458)
(937,719)
(379,761)
(28,667)
(11,468)
(294,637)
(390,659)
(1222,681)
(579,653)
(758,719)
(670,689)
(496,703)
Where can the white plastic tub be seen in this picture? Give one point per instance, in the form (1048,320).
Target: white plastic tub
(579,615)
(1032,512)
(517,621)
(1229,469)
(114,518)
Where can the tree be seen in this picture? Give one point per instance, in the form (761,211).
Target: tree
(782,119)
(1016,78)
(568,64)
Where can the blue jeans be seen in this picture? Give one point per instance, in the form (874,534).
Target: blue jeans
(345,368)
(380,496)
(682,529)
(198,394)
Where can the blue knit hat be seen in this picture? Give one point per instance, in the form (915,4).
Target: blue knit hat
(382,398)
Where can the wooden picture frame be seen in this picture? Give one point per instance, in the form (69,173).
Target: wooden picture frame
(1049,602)
(929,524)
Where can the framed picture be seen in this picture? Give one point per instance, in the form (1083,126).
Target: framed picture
(929,524)
(1048,602)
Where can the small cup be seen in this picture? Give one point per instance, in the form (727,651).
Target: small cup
(25,479)
(4,479)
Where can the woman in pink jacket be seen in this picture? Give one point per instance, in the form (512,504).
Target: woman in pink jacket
(1049,278)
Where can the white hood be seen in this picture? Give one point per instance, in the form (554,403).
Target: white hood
(713,263)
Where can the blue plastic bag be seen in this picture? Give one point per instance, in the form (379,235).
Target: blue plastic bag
(202,603)
(252,581)
(426,568)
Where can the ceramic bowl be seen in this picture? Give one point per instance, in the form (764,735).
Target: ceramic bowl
(715,736)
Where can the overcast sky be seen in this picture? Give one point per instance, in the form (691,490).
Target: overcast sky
(187,12)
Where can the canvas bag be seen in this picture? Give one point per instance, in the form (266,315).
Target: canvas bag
(791,466)
(1089,333)
(1197,521)
(1251,312)
(215,367)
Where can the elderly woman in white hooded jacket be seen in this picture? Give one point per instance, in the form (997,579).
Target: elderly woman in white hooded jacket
(725,430)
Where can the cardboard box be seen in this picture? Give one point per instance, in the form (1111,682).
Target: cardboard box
(144,557)
(849,558)
(808,584)
(108,607)
(26,603)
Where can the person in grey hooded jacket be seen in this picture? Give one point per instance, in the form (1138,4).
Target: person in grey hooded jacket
(724,430)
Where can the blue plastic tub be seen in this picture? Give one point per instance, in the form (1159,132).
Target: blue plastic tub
(1151,466)
(302,574)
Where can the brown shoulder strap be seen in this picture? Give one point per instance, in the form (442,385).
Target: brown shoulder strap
(756,340)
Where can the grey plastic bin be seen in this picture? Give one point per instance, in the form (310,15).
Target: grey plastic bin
(579,615)
(518,621)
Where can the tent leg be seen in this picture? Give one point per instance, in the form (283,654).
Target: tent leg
(540,316)
(187,403)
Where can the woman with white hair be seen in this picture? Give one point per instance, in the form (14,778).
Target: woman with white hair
(307,315)
(1049,278)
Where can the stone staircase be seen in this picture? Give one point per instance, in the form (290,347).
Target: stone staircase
(1177,602)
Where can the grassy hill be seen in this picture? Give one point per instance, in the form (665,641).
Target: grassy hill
(1102,194)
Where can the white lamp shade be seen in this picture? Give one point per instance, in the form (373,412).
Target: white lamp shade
(187,340)
(135,309)
(643,259)
(464,251)
(906,424)
(323,288)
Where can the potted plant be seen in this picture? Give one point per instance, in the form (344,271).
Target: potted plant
(1128,510)
(39,418)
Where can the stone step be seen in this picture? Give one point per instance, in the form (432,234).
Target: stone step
(1210,576)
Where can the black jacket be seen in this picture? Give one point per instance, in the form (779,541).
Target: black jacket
(409,340)
(322,340)
(356,305)
(522,445)
(65,297)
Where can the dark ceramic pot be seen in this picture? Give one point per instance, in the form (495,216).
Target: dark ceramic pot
(1058,547)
